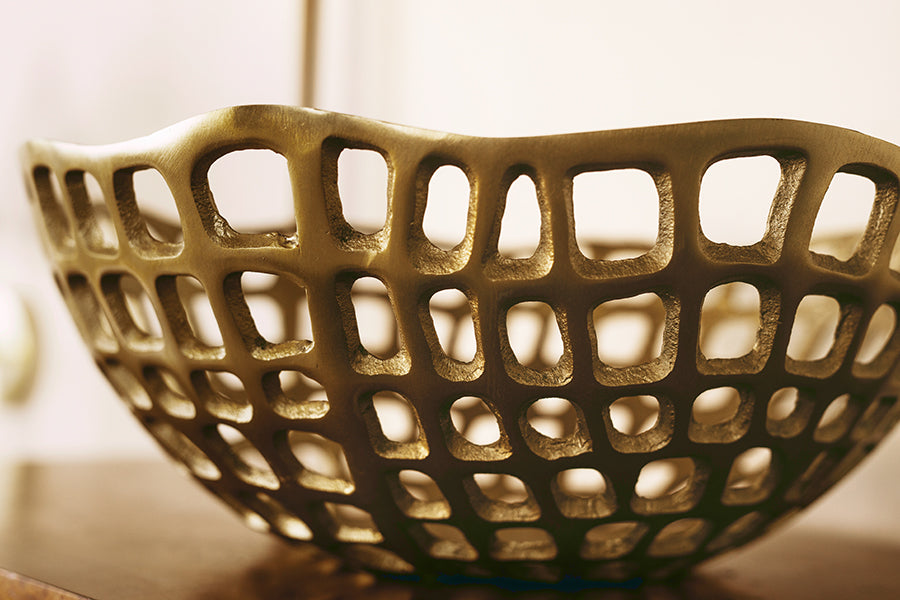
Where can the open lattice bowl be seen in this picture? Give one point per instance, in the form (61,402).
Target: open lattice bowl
(596,410)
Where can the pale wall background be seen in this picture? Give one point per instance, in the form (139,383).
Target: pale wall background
(101,71)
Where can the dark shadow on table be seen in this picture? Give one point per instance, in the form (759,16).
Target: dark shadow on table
(139,531)
(802,565)
(307,574)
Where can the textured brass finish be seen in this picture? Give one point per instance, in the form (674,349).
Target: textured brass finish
(408,457)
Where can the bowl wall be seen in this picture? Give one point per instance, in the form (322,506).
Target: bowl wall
(588,408)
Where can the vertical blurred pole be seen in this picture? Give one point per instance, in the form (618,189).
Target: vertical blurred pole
(309,43)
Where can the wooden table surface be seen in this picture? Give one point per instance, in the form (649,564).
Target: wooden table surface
(111,531)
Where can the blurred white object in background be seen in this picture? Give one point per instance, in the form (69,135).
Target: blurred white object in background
(18,347)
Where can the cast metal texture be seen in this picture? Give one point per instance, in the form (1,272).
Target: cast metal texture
(582,493)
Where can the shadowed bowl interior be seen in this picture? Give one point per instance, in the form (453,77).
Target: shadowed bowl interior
(566,394)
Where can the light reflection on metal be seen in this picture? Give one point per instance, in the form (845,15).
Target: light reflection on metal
(303,426)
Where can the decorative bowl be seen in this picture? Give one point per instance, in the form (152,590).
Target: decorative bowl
(585,408)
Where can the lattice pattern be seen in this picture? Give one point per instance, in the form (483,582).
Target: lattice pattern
(528,455)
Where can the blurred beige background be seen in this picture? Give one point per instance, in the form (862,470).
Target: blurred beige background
(101,71)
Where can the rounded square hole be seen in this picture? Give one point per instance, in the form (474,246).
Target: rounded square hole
(149,212)
(716,405)
(393,425)
(223,394)
(447,207)
(397,417)
(553,417)
(420,486)
(554,428)
(815,327)
(252,191)
(352,524)
(736,195)
(451,314)
(278,306)
(721,415)
(662,478)
(533,333)
(879,332)
(140,307)
(323,464)
(788,412)
(500,487)
(499,497)
(94,220)
(50,200)
(200,316)
(837,419)
(616,213)
(634,415)
(418,496)
(377,327)
(640,423)
(782,404)
(293,394)
(190,314)
(363,187)
(474,432)
(630,330)
(583,493)
(520,227)
(277,321)
(669,485)
(843,216)
(752,477)
(475,421)
(133,311)
(730,321)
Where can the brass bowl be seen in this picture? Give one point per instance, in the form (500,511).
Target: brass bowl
(537,449)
